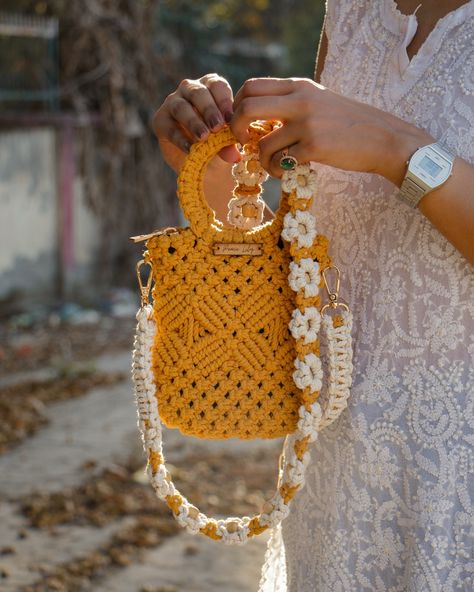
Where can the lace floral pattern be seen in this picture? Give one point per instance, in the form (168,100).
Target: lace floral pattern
(388,503)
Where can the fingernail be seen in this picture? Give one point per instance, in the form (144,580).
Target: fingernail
(201,132)
(187,146)
(215,121)
(228,116)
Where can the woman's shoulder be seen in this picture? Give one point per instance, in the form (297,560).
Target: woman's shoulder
(344,15)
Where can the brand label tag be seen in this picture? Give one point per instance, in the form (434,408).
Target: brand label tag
(238,249)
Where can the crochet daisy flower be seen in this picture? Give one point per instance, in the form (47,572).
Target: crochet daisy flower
(305,324)
(308,373)
(249,171)
(301,179)
(305,275)
(301,226)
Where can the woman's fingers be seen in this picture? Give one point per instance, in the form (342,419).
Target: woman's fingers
(222,94)
(198,98)
(253,108)
(230,154)
(263,98)
(183,114)
(192,111)
(258,87)
(295,150)
(271,146)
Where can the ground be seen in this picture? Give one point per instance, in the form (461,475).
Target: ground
(77,512)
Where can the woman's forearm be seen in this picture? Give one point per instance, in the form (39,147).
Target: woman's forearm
(450,207)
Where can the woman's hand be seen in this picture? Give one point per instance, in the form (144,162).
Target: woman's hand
(326,127)
(189,113)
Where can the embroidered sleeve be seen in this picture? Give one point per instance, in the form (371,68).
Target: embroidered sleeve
(343,16)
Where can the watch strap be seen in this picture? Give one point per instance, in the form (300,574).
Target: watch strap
(443,150)
(411,192)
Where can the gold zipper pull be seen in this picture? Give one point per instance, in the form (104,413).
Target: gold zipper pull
(144,237)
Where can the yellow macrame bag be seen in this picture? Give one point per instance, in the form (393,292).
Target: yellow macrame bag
(230,346)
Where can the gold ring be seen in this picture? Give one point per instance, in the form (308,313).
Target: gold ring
(287,162)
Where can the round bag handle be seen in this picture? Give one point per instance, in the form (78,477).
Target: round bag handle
(190,189)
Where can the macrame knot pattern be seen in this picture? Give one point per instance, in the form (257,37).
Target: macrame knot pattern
(230,347)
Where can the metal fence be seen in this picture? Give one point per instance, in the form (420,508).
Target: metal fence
(29,62)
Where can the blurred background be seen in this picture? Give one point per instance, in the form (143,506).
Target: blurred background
(81,172)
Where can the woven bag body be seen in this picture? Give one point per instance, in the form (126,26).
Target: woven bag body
(230,346)
(223,355)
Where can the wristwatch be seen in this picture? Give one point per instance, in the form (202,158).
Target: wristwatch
(428,168)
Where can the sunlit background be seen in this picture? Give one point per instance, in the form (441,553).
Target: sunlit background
(80,172)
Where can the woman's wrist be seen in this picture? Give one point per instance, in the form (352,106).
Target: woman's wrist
(401,142)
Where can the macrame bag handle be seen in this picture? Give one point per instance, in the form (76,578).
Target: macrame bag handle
(305,325)
(191,196)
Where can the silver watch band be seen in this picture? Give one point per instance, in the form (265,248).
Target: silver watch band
(412,191)
(443,150)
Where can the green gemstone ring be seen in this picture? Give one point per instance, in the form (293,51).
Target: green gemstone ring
(288,162)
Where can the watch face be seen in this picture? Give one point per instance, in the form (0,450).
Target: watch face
(430,166)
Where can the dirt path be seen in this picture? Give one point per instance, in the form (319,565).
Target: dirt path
(85,437)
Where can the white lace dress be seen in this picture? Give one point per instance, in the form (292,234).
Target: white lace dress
(388,504)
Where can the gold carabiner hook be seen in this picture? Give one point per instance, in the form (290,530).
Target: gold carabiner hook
(144,289)
(333,295)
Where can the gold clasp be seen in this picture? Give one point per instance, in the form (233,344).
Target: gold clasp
(333,295)
(144,289)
